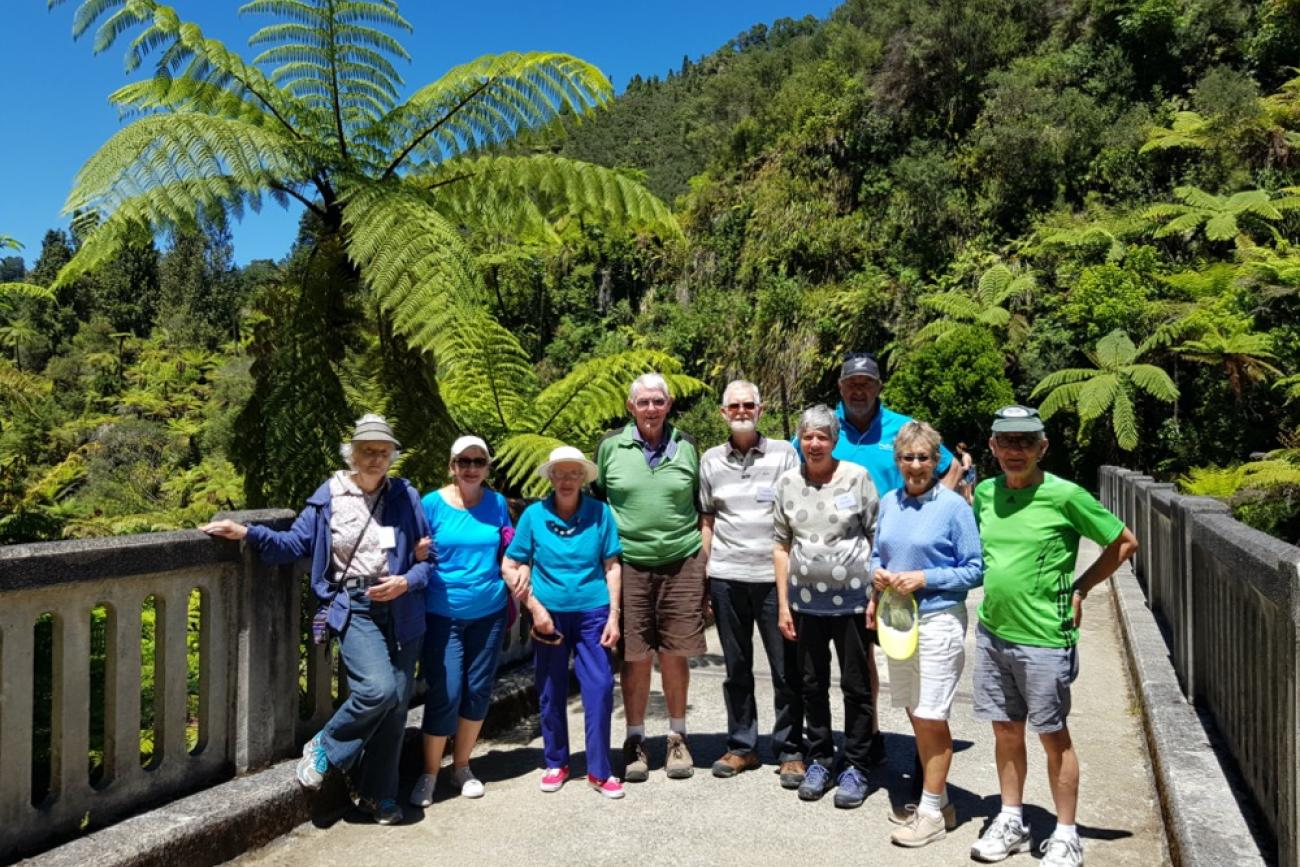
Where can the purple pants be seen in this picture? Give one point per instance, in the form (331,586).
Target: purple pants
(581,631)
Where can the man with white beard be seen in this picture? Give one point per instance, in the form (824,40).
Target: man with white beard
(737,491)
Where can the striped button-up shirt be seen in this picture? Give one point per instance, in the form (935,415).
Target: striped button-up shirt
(738,489)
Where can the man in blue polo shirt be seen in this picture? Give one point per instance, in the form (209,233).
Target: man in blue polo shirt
(867,427)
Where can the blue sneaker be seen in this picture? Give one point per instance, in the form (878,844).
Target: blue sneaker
(816,782)
(313,766)
(384,812)
(852,789)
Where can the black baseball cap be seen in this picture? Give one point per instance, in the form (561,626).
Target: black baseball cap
(860,364)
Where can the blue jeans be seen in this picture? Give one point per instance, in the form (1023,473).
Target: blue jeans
(459,665)
(367,728)
(739,606)
(581,631)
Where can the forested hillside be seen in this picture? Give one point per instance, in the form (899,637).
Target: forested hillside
(1087,205)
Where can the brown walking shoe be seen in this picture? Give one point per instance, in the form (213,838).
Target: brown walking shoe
(733,763)
(636,765)
(792,773)
(678,763)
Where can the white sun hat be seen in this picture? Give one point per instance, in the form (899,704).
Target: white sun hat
(567,455)
(468,442)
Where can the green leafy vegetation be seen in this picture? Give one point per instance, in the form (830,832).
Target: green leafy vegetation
(1092,204)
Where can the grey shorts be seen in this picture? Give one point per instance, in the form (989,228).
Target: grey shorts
(1023,683)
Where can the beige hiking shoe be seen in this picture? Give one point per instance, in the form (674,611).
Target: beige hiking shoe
(636,764)
(678,763)
(921,830)
(903,815)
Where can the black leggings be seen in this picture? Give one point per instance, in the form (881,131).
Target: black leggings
(848,632)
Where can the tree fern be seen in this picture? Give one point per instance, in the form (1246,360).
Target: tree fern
(394,188)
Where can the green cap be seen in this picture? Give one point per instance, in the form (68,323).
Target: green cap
(1017,419)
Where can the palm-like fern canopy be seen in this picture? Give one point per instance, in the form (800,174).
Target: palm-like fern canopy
(317,116)
(1109,387)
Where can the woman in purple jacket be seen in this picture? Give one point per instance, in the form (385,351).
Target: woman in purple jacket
(361,530)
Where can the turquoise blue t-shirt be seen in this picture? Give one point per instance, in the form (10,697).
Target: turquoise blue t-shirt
(466,581)
(567,556)
(873,448)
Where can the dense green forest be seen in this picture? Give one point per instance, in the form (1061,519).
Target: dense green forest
(1087,205)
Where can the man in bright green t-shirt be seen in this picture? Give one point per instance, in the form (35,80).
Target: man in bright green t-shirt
(1025,648)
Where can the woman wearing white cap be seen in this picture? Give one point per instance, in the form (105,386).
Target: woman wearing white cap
(567,548)
(361,530)
(466,604)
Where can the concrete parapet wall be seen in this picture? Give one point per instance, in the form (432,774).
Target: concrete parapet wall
(252,655)
(1228,598)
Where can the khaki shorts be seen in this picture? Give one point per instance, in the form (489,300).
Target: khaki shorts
(926,683)
(663,609)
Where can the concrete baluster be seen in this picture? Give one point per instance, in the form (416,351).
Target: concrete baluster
(122,691)
(171,675)
(70,738)
(16,652)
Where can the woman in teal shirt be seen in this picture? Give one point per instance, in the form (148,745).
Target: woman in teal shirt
(567,548)
(466,615)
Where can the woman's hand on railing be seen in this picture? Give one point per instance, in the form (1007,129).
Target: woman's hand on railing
(225,529)
(388,589)
(422,549)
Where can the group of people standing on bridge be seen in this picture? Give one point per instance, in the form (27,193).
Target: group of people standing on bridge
(625,560)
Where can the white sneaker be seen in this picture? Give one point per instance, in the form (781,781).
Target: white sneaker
(470,787)
(422,794)
(1005,836)
(1060,852)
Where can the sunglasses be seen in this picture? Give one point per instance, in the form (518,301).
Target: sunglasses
(744,404)
(476,463)
(914,459)
(647,402)
(1018,443)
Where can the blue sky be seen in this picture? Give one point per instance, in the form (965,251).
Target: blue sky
(56,112)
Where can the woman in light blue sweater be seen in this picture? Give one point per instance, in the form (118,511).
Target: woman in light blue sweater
(927,545)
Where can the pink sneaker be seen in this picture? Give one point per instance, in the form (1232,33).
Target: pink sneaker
(610,787)
(554,778)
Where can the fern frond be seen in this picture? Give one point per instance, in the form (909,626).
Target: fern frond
(484,192)
(25,290)
(1097,396)
(1124,421)
(520,455)
(489,101)
(1153,380)
(1115,349)
(1062,397)
(1058,378)
(953,303)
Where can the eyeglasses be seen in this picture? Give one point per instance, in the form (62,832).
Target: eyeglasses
(1020,443)
(742,404)
(647,402)
(914,459)
(476,463)
(374,454)
(569,476)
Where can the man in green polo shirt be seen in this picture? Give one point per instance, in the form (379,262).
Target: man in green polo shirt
(649,473)
(1026,656)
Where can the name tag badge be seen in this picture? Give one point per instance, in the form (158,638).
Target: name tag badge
(846,501)
(387,537)
(766,494)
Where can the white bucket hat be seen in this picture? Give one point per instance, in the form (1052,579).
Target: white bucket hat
(468,442)
(567,455)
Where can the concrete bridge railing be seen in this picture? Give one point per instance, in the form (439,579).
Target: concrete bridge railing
(1229,597)
(254,664)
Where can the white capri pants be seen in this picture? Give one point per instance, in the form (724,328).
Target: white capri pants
(926,684)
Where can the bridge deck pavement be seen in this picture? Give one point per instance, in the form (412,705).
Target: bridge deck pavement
(749,819)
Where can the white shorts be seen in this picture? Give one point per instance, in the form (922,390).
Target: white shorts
(926,684)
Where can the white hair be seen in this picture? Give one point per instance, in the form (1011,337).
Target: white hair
(345,452)
(819,417)
(648,382)
(917,433)
(740,385)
